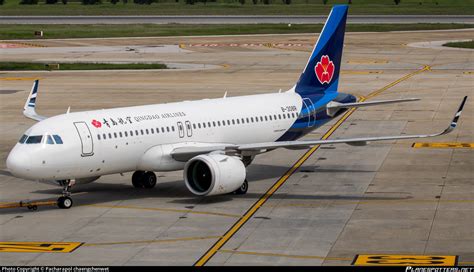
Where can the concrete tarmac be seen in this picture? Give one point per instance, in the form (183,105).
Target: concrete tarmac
(336,204)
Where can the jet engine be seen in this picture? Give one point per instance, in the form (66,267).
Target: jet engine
(214,174)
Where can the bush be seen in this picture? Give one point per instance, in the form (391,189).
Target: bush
(396,2)
(91,2)
(266,2)
(28,2)
(189,2)
(242,2)
(143,2)
(64,2)
(1,2)
(287,2)
(255,2)
(114,1)
(50,2)
(325,2)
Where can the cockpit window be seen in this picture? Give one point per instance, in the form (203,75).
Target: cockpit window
(34,139)
(49,139)
(58,139)
(23,139)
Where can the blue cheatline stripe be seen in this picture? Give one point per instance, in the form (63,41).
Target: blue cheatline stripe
(302,127)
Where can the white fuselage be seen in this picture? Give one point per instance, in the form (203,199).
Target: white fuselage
(142,137)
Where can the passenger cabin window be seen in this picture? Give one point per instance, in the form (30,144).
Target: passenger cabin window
(98,137)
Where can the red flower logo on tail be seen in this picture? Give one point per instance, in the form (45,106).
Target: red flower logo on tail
(324,69)
(96,123)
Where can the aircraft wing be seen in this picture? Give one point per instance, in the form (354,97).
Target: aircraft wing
(182,154)
(30,105)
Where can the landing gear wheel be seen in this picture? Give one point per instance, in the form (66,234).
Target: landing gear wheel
(64,202)
(137,179)
(243,188)
(149,180)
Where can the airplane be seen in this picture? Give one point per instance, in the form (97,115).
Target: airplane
(211,140)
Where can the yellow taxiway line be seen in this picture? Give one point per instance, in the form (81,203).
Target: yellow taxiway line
(162,210)
(253,209)
(284,255)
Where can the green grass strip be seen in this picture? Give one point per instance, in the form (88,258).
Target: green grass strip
(229,7)
(152,30)
(466,44)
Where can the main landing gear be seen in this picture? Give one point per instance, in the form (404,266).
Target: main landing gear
(243,188)
(142,179)
(65,201)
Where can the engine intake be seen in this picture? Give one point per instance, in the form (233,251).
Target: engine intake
(214,174)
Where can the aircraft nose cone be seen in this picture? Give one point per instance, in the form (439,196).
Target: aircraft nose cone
(18,163)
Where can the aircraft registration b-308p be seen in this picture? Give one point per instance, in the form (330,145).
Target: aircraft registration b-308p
(213,140)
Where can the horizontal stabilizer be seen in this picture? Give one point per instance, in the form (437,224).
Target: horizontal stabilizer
(332,107)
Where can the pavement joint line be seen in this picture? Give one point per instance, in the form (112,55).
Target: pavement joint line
(356,72)
(20,78)
(162,210)
(284,255)
(253,209)
(371,202)
(367,62)
(150,241)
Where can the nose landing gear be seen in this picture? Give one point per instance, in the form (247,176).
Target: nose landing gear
(142,179)
(65,201)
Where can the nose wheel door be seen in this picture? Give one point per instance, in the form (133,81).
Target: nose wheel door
(86,138)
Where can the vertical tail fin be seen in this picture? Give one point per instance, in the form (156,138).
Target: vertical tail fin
(321,73)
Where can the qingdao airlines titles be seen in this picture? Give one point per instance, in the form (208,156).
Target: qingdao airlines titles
(212,140)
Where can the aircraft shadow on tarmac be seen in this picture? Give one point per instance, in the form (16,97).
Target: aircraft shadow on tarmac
(176,191)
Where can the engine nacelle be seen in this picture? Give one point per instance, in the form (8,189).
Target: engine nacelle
(214,174)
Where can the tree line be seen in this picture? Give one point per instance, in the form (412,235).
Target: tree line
(149,2)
